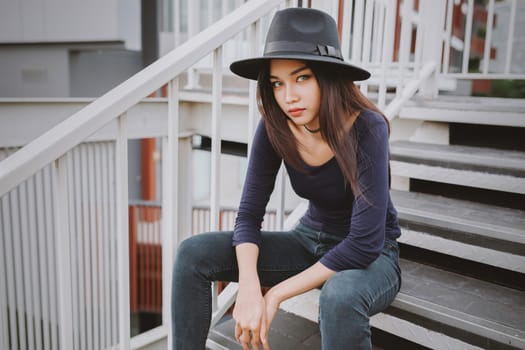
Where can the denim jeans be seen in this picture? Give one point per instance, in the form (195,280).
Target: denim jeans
(347,299)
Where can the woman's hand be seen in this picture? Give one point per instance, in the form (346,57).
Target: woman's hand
(272,303)
(249,314)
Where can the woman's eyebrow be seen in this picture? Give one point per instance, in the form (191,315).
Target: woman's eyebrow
(291,73)
(298,70)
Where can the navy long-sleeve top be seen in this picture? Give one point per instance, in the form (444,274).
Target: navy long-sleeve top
(362,223)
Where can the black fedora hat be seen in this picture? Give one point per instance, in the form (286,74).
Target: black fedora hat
(301,34)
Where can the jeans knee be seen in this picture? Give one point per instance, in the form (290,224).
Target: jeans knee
(339,300)
(204,254)
(191,252)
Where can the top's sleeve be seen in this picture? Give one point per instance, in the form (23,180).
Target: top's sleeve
(365,240)
(263,166)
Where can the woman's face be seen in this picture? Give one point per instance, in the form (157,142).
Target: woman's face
(296,91)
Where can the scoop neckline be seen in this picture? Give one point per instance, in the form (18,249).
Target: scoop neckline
(320,165)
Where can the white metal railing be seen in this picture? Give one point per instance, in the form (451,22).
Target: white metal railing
(81,189)
(487,32)
(78,321)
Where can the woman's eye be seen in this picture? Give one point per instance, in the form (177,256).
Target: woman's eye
(303,77)
(275,84)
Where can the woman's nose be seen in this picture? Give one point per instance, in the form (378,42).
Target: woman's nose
(291,95)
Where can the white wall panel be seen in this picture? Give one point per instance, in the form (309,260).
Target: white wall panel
(29,21)
(32,19)
(10,24)
(30,72)
(76,20)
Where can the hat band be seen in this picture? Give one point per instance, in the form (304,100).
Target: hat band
(303,47)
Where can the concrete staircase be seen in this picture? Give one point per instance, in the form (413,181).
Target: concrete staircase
(463,259)
(463,242)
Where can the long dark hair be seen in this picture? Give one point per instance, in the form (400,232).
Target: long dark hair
(340,100)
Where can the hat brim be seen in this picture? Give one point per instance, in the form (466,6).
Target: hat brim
(250,68)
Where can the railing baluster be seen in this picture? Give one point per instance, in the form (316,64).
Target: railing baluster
(5,281)
(176,22)
(11,285)
(193,28)
(79,195)
(85,238)
(448,37)
(434,14)
(510,37)
(42,253)
(216,139)
(357,39)
(50,233)
(367,40)
(26,266)
(170,180)
(377,31)
(418,50)
(92,239)
(254,34)
(74,195)
(215,151)
(346,30)
(122,232)
(468,36)
(100,325)
(404,42)
(382,49)
(488,37)
(63,252)
(106,241)
(18,254)
(34,237)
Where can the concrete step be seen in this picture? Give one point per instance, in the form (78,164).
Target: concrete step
(291,332)
(487,168)
(466,109)
(286,332)
(476,312)
(478,232)
(443,310)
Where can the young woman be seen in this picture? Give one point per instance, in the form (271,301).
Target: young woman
(334,144)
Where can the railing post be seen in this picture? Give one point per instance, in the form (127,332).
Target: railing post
(216,139)
(510,37)
(185,193)
(404,42)
(346,35)
(4,234)
(254,35)
(6,205)
(123,232)
(431,43)
(63,251)
(170,235)
(193,29)
(216,151)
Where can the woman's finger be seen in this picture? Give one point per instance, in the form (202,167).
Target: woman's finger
(256,340)
(238,332)
(264,334)
(245,338)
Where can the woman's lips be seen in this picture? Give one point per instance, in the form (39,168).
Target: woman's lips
(296,112)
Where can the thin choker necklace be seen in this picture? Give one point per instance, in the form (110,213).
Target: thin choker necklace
(312,131)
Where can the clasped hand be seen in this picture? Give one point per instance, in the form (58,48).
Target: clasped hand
(253,315)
